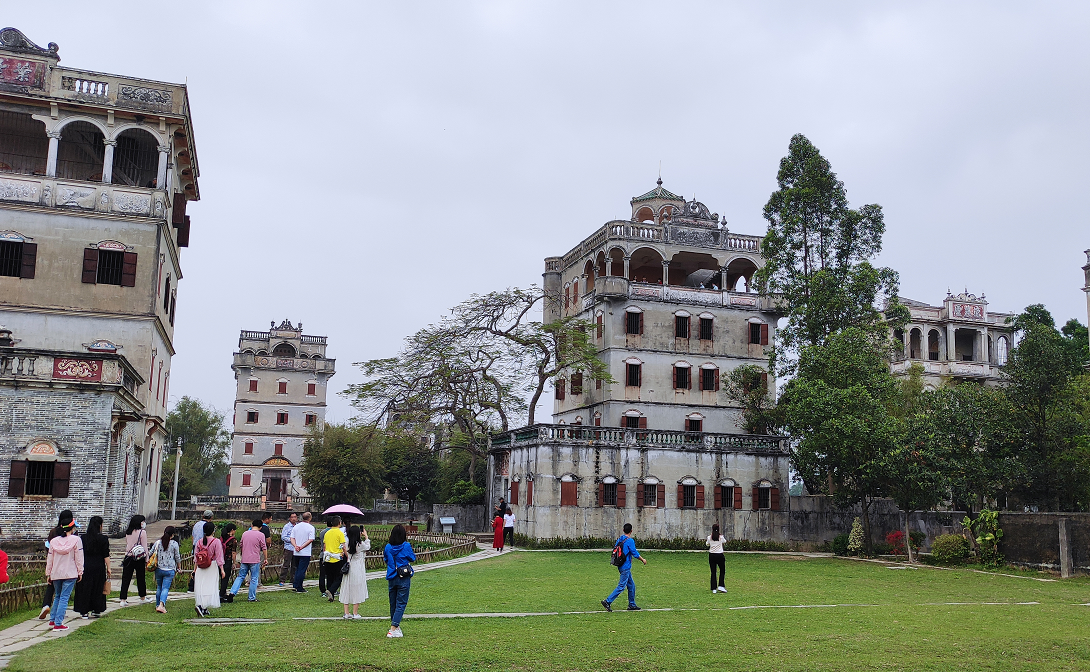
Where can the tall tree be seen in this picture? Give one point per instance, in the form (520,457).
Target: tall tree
(817,253)
(206,445)
(747,386)
(343,464)
(410,466)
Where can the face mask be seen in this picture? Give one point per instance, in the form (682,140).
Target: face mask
(143,525)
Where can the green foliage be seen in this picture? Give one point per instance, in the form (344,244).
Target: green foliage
(206,445)
(855,538)
(950,549)
(987,535)
(465,493)
(409,464)
(839,544)
(746,386)
(343,464)
(648,543)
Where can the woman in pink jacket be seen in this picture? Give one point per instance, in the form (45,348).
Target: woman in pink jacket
(63,567)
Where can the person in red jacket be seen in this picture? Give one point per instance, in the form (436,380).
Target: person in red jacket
(497,529)
(3,567)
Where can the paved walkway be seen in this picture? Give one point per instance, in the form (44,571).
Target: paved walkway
(34,631)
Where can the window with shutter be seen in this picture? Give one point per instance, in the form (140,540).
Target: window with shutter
(660,496)
(754,333)
(11,258)
(641,495)
(621,502)
(681,378)
(282,418)
(568,493)
(253,385)
(529,493)
(177,215)
(641,323)
(228,479)
(282,387)
(312,389)
(173,305)
(707,379)
(251,417)
(756,498)
(764,498)
(737,497)
(774,499)
(128,269)
(183,233)
(310,419)
(600,326)
(577,383)
(700,496)
(278,448)
(62,475)
(632,375)
(681,496)
(29,261)
(718,497)
(694,425)
(609,494)
(764,382)
(17,478)
(764,334)
(632,323)
(166,295)
(90,266)
(707,328)
(716,379)
(246,479)
(513,497)
(560,386)
(642,422)
(248,448)
(681,326)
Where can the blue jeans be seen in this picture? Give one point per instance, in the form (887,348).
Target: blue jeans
(300,570)
(62,589)
(163,579)
(254,570)
(624,582)
(399,599)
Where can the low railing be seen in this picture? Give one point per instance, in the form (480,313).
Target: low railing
(86,87)
(617,436)
(71,194)
(314,340)
(255,335)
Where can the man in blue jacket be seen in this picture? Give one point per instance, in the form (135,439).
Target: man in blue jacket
(628,547)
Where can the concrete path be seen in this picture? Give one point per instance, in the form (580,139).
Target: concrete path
(34,631)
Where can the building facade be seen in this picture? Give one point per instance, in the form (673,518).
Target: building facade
(281,381)
(959,340)
(1086,287)
(96,171)
(668,292)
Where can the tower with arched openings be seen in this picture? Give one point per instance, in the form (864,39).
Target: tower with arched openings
(96,171)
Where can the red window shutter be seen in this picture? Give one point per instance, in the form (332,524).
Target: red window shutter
(567,493)
(245,479)
(560,390)
(601,494)
(639,495)
(675,377)
(173,305)
(575,296)
(598,421)
(680,496)
(177,215)
(643,423)
(764,382)
(253,386)
(128,270)
(718,496)
(661,496)
(249,448)
(764,334)
(30,260)
(513,497)
(278,449)
(775,499)
(228,480)
(529,493)
(601,326)
(597,383)
(620,496)
(183,233)
(62,472)
(282,387)
(717,380)
(737,497)
(756,498)
(17,478)
(90,266)
(641,323)
(312,388)
(700,496)
(689,379)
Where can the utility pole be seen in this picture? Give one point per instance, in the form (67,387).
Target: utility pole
(177,468)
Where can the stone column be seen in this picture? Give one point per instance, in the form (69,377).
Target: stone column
(951,352)
(609,266)
(51,158)
(723,278)
(161,174)
(108,162)
(627,263)
(1065,548)
(665,273)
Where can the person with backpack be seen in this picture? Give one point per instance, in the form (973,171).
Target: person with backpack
(399,573)
(90,597)
(63,568)
(624,549)
(715,558)
(135,560)
(230,545)
(208,570)
(168,557)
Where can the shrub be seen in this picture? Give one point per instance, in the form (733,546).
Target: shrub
(840,544)
(855,539)
(950,549)
(883,548)
(917,539)
(896,542)
(465,493)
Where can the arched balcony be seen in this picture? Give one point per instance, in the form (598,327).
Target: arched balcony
(24,146)
(81,152)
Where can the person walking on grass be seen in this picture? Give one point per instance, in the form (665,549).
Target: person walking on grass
(255,555)
(333,543)
(287,566)
(302,542)
(398,554)
(354,585)
(628,551)
(715,558)
(90,598)
(509,528)
(135,560)
(63,567)
(47,598)
(168,557)
(207,571)
(230,547)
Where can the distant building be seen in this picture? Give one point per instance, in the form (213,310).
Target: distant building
(281,379)
(670,294)
(96,171)
(959,340)
(1086,288)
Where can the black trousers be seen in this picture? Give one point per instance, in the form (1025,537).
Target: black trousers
(332,571)
(226,579)
(128,568)
(716,560)
(508,536)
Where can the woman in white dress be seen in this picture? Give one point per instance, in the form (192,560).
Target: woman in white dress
(354,585)
(206,581)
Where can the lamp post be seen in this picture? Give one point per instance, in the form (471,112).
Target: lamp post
(177,468)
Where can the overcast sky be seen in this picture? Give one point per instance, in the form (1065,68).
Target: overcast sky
(366,166)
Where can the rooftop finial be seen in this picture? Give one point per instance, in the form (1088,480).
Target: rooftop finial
(659,181)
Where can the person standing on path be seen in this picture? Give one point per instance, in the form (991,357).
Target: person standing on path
(230,547)
(47,598)
(135,560)
(302,542)
(90,598)
(168,557)
(333,542)
(354,587)
(206,594)
(287,566)
(63,567)
(255,555)
(497,533)
(628,548)
(398,554)
(509,528)
(715,558)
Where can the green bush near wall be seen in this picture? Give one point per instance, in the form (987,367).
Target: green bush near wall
(648,543)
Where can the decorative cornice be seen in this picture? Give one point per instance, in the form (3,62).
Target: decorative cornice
(13,39)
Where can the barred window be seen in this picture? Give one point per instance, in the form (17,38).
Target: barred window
(688,496)
(110,265)
(706,328)
(251,417)
(39,478)
(681,326)
(650,495)
(11,258)
(632,378)
(609,494)
(634,323)
(282,418)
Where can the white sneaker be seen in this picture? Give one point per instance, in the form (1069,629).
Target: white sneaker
(347,617)
(356,617)
(714,592)
(149,599)
(722,589)
(394,632)
(124,603)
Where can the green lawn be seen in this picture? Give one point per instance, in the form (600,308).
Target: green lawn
(900,622)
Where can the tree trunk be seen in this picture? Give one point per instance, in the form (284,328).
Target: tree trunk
(867,545)
(908,537)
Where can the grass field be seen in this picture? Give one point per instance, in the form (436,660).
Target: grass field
(888,619)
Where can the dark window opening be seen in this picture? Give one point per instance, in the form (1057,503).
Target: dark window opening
(577,383)
(688,496)
(707,379)
(633,322)
(312,389)
(632,377)
(284,350)
(694,425)
(24,146)
(560,388)
(650,492)
(81,152)
(173,305)
(39,478)
(11,259)
(253,386)
(764,498)
(251,417)
(609,494)
(755,333)
(681,378)
(706,328)
(111,265)
(681,326)
(136,159)
(311,419)
(278,449)
(248,448)
(632,422)
(281,418)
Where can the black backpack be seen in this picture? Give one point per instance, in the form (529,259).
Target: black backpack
(618,556)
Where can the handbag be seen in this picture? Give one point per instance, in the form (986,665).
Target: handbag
(405,572)
(344,566)
(107,588)
(153,559)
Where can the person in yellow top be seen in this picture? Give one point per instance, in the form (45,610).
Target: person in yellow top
(333,540)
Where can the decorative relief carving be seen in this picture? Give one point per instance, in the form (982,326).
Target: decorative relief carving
(967,311)
(104,201)
(144,97)
(707,298)
(13,236)
(686,236)
(102,345)
(78,196)
(638,292)
(743,301)
(77,369)
(132,204)
(47,193)
(13,39)
(285,363)
(696,213)
(158,207)
(22,74)
(111,245)
(18,190)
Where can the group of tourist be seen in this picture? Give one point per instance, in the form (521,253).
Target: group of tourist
(503,526)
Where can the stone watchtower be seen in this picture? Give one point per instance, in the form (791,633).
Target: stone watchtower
(1086,287)
(281,378)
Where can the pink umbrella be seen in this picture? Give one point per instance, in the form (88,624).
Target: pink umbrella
(343,508)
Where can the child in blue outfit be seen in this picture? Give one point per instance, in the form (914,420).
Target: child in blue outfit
(628,547)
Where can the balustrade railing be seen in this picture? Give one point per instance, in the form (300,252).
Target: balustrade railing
(547,433)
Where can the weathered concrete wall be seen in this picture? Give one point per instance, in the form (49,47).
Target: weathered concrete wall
(815,520)
(470,518)
(1033,540)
